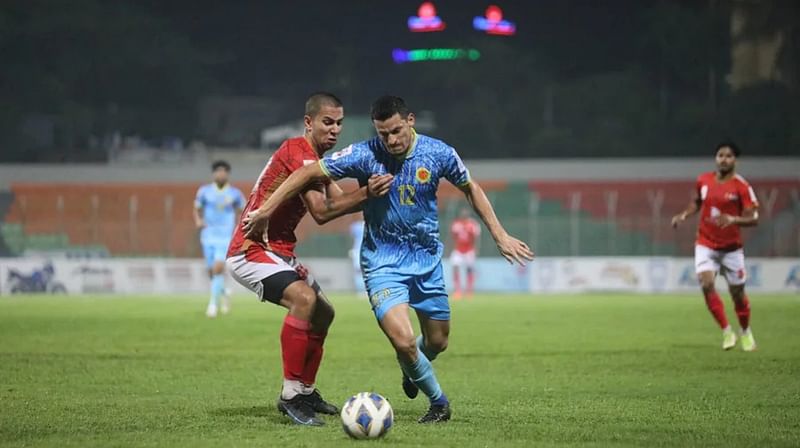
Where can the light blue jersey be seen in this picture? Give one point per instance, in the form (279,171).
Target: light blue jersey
(402,228)
(218,207)
(401,251)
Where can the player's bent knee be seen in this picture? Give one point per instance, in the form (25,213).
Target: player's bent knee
(706,282)
(300,297)
(438,345)
(323,314)
(405,347)
(737,292)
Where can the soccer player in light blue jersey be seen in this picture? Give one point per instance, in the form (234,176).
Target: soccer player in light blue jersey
(216,209)
(401,252)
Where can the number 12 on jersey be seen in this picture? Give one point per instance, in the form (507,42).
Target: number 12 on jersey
(406,194)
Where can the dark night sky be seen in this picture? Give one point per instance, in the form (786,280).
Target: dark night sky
(272,47)
(579,73)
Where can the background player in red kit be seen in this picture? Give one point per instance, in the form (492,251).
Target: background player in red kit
(465,233)
(726,202)
(266,264)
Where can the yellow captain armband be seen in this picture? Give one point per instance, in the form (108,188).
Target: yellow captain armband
(324,168)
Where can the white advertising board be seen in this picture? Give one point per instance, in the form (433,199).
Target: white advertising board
(652,274)
(135,275)
(545,275)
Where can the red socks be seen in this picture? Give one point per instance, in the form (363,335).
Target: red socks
(716,307)
(470,281)
(743,312)
(313,357)
(457,279)
(301,349)
(294,347)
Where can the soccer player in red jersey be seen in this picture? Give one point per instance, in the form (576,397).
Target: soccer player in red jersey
(266,263)
(726,202)
(466,233)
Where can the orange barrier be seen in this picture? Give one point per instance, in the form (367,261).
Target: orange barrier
(634,197)
(138,219)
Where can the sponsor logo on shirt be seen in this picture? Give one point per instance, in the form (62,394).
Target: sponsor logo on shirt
(342,153)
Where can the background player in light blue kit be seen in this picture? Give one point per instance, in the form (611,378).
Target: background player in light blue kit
(216,209)
(401,252)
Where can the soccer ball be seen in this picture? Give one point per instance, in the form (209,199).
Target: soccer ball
(367,415)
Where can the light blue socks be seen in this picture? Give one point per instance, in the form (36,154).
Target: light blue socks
(421,373)
(217,288)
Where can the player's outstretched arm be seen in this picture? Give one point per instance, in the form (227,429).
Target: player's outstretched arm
(334,202)
(510,248)
(690,210)
(256,221)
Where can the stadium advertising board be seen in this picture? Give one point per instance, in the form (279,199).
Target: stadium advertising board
(41,275)
(546,275)
(652,275)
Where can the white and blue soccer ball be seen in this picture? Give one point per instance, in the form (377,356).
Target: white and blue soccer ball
(367,415)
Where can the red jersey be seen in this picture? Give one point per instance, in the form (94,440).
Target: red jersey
(730,197)
(465,232)
(291,156)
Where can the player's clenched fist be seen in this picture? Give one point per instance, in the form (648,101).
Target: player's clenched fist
(379,185)
(514,250)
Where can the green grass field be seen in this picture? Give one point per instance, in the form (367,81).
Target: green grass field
(593,370)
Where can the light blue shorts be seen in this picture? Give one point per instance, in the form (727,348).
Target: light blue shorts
(214,252)
(425,293)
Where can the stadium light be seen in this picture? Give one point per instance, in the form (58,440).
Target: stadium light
(401,56)
(493,23)
(426,20)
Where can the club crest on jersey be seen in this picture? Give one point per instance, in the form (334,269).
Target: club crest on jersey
(423,175)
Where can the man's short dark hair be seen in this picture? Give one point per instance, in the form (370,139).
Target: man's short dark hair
(735,149)
(221,164)
(315,102)
(386,106)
